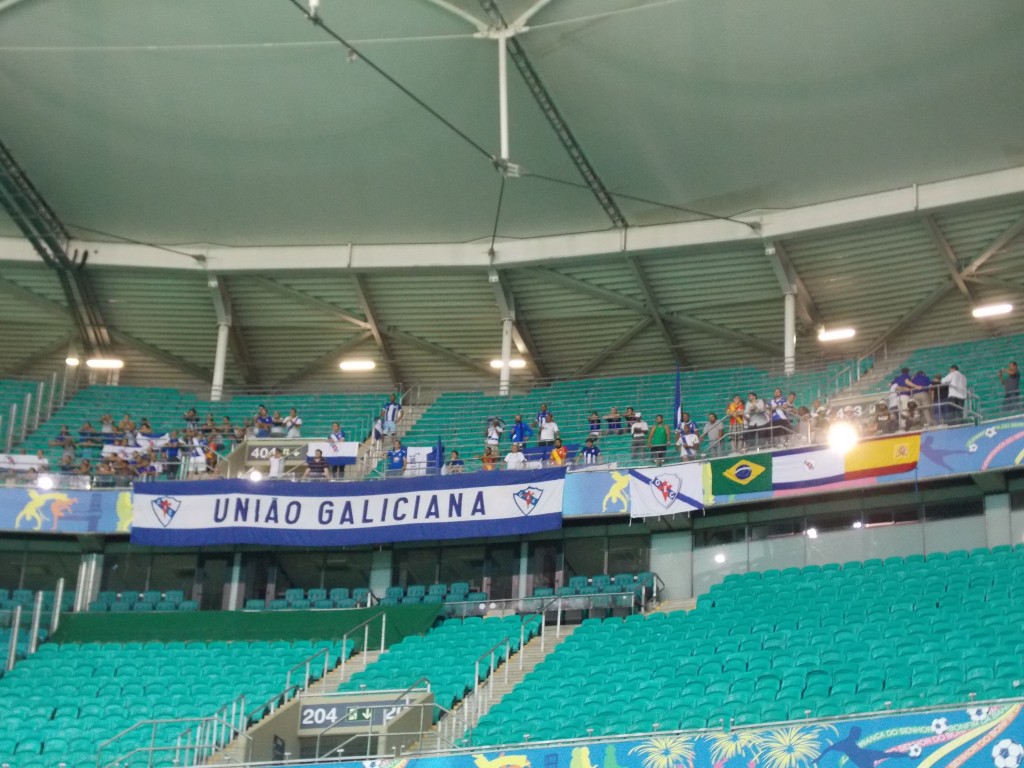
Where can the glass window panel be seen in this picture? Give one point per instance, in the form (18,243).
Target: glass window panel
(628,554)
(303,570)
(347,568)
(462,563)
(170,571)
(584,557)
(415,566)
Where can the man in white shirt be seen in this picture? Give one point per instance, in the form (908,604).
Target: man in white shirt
(548,431)
(638,430)
(293,424)
(515,458)
(757,418)
(957,384)
(494,430)
(276,464)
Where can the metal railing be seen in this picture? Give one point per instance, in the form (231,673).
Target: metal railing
(200,739)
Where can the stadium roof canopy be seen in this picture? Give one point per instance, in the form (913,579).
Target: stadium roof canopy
(876,147)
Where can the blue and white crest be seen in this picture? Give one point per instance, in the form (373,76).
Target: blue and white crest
(665,489)
(165,508)
(527,499)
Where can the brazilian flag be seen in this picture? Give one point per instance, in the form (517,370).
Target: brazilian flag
(749,474)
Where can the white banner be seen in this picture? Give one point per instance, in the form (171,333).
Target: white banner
(669,490)
(335,452)
(339,514)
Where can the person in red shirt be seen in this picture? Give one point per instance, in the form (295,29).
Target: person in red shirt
(734,411)
(558,453)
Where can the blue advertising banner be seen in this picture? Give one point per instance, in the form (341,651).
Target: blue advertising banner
(38,511)
(980,736)
(195,513)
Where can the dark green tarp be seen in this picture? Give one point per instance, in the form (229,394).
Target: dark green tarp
(402,620)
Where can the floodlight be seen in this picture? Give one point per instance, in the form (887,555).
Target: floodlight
(72,361)
(516,362)
(44,483)
(842,437)
(105,363)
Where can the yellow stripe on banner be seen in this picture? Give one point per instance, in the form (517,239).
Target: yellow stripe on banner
(883,456)
(958,742)
(709,497)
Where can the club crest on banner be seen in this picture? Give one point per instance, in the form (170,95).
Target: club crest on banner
(165,507)
(527,499)
(666,489)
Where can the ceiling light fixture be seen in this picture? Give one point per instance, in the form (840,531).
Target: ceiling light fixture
(357,365)
(105,363)
(836,334)
(992,310)
(516,362)
(71,360)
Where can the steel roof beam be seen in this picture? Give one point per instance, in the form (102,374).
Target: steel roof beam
(615,346)
(163,356)
(39,354)
(946,251)
(375,330)
(790,281)
(654,309)
(324,359)
(1008,236)
(616,299)
(310,301)
(429,346)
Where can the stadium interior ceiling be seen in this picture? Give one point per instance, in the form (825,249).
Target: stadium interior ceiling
(233,153)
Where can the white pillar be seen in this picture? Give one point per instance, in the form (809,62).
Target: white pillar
(219,361)
(789,343)
(506,356)
(503,94)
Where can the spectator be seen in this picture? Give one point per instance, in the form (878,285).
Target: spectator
(904,390)
(277,428)
(105,475)
(63,438)
(803,424)
(1010,378)
(542,416)
(171,451)
(144,470)
(921,385)
(734,411)
(914,420)
(316,468)
(489,460)
(594,423)
(520,432)
(638,430)
(780,426)
(558,453)
(756,415)
(685,419)
(277,464)
(589,454)
(819,423)
(191,419)
(88,437)
(688,442)
(209,426)
(455,464)
(614,421)
(398,459)
(714,435)
(885,420)
(107,429)
(548,431)
(495,427)
(337,434)
(392,415)
(940,393)
(263,422)
(293,425)
(957,384)
(377,430)
(84,468)
(515,458)
(658,439)
(226,427)
(631,416)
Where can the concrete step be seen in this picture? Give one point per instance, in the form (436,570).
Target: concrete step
(668,606)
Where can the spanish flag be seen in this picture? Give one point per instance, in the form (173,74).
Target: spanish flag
(884,456)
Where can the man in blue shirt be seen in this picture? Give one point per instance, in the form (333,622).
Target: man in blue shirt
(264,422)
(520,432)
(172,455)
(542,415)
(397,459)
(904,389)
(455,464)
(392,415)
(589,454)
(922,395)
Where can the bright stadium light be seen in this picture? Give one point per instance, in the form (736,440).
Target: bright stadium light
(72,361)
(842,437)
(255,475)
(857,524)
(836,334)
(357,365)
(516,362)
(105,363)
(992,310)
(719,558)
(44,483)
(812,533)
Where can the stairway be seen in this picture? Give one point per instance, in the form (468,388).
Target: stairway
(668,606)
(452,728)
(235,752)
